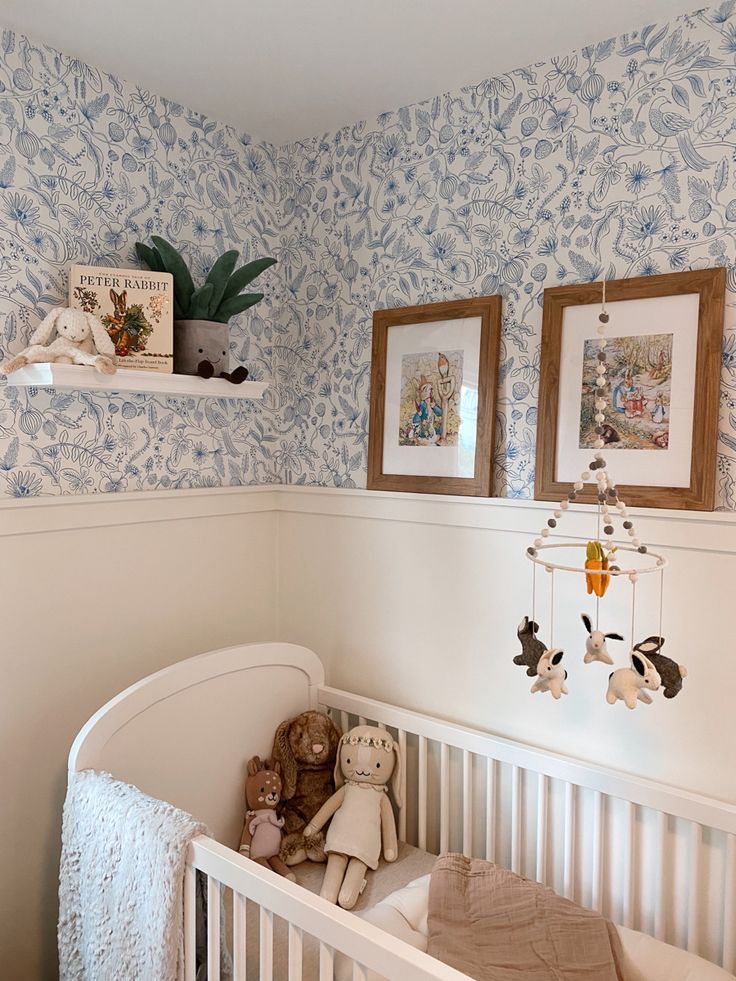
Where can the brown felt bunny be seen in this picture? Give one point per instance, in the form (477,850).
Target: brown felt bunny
(261,839)
(305,747)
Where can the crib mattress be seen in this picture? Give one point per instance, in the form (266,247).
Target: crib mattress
(404,915)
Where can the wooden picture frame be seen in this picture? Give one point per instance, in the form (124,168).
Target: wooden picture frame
(698,373)
(414,340)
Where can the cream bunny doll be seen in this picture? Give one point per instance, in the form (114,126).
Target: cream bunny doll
(367,759)
(82,339)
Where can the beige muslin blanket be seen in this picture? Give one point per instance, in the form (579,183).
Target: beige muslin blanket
(496,926)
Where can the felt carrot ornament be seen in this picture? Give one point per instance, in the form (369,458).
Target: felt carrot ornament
(596,559)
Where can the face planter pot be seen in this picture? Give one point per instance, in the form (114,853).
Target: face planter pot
(200,340)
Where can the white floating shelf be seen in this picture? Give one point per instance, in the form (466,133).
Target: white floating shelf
(88,379)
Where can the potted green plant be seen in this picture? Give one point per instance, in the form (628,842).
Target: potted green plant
(201,314)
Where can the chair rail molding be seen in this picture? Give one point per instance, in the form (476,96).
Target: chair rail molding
(689,530)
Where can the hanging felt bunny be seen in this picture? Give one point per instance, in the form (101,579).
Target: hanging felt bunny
(669,671)
(630,684)
(552,676)
(595,645)
(363,822)
(532,647)
(80,339)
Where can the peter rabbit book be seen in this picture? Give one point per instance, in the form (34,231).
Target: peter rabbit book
(137,309)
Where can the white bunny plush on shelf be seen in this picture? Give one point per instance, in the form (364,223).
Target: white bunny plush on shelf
(80,339)
(552,675)
(629,684)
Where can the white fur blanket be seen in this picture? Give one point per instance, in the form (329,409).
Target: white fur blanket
(121,882)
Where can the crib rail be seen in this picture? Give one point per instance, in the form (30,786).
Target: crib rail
(343,946)
(649,856)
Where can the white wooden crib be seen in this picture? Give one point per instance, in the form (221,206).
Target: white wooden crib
(649,856)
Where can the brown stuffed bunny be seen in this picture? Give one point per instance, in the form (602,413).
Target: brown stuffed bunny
(306,748)
(262,832)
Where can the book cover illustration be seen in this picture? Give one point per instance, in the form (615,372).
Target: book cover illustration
(136,307)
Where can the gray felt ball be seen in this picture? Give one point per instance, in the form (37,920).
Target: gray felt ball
(628,525)
(608,529)
(551,522)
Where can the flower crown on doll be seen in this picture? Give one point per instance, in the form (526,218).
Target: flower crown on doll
(374,742)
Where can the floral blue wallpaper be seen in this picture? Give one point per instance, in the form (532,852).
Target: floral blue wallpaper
(619,159)
(88,165)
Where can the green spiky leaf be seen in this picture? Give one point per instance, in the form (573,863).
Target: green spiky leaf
(236,304)
(173,262)
(199,308)
(219,275)
(151,257)
(245,275)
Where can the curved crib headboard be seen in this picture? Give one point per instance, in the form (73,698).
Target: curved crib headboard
(185,733)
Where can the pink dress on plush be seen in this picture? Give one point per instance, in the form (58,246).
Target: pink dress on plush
(265,829)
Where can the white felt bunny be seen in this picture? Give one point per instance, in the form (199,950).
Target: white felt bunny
(595,645)
(81,339)
(630,684)
(551,675)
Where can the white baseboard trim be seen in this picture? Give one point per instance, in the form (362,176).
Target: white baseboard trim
(700,531)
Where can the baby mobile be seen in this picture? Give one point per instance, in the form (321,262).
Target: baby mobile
(648,668)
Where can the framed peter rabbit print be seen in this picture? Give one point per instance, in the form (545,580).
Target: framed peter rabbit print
(659,405)
(434,374)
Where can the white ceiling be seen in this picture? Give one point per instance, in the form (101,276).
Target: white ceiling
(284,69)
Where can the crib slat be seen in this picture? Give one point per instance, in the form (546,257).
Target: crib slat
(402,809)
(422,804)
(568,861)
(467,803)
(359,972)
(660,924)
(516,819)
(596,899)
(213,929)
(628,893)
(295,953)
(239,937)
(444,798)
(326,963)
(693,926)
(490,810)
(362,720)
(542,790)
(344,722)
(266,958)
(190,923)
(729,907)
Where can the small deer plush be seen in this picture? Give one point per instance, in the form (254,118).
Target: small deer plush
(261,839)
(80,339)
(531,647)
(669,671)
(551,675)
(595,645)
(630,684)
